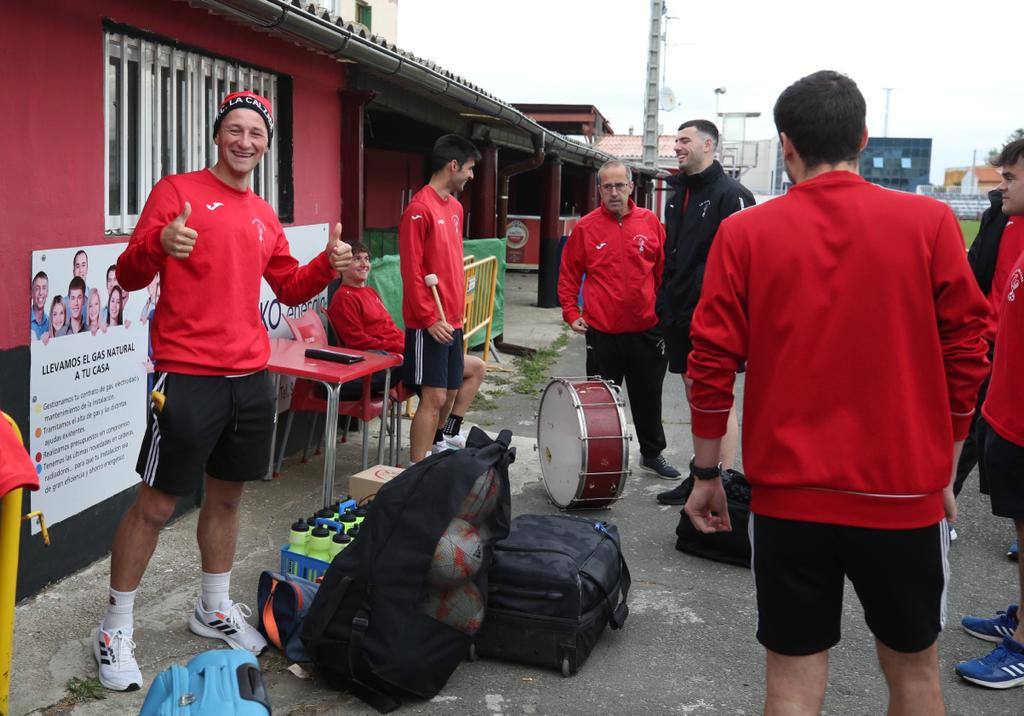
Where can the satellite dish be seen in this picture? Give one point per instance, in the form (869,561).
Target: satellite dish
(667,99)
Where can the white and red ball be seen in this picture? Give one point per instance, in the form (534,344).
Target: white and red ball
(458,555)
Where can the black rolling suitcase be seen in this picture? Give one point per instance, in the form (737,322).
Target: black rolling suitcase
(554,584)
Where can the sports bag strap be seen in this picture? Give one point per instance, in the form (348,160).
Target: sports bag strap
(357,668)
(269,622)
(318,619)
(619,611)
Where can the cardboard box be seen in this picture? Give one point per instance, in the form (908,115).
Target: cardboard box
(365,484)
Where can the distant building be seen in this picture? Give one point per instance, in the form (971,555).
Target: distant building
(379,17)
(979,180)
(897,162)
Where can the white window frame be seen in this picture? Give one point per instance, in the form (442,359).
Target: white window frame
(192,70)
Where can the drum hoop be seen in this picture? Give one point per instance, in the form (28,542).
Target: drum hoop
(577,404)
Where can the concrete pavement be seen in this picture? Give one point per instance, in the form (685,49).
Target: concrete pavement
(687,647)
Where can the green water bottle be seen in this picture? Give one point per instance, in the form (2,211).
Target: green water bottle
(339,542)
(298,537)
(319,544)
(353,532)
(348,521)
(360,514)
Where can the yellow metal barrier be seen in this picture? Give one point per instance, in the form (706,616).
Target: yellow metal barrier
(481,284)
(10,533)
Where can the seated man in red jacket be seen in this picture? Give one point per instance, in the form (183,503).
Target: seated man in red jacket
(864,332)
(362,321)
(621,249)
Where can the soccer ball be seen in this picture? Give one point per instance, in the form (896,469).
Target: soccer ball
(481,499)
(458,555)
(461,608)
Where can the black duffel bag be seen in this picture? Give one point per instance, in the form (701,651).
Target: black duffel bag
(397,609)
(554,584)
(729,547)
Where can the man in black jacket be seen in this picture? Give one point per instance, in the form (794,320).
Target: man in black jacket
(982,257)
(702,196)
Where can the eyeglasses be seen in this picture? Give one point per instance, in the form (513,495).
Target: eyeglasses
(620,187)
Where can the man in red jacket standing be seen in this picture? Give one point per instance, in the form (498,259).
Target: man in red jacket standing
(430,244)
(1000,430)
(863,331)
(621,249)
(213,405)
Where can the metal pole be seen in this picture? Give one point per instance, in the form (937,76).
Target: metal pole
(650,151)
(885,125)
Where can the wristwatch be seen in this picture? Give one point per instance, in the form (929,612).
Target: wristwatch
(705,473)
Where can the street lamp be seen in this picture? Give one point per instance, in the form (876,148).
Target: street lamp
(719,91)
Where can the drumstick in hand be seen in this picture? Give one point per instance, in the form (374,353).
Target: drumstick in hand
(431,280)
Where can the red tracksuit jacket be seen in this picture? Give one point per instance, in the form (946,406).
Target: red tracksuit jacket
(623,261)
(430,242)
(863,331)
(1006,389)
(362,321)
(207,320)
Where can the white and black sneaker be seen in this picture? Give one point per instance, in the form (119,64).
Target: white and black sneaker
(115,656)
(229,625)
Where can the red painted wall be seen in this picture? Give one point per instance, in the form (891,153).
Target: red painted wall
(52,136)
(388,174)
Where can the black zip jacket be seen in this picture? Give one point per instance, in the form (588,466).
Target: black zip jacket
(985,249)
(712,196)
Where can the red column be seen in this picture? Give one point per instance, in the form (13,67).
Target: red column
(353,191)
(484,208)
(550,233)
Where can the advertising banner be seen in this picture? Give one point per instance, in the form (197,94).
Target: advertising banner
(91,369)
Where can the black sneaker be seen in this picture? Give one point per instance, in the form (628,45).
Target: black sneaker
(678,494)
(660,467)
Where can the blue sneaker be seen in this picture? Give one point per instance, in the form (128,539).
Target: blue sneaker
(660,467)
(995,629)
(1014,551)
(1003,668)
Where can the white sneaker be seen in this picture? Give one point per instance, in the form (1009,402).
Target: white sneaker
(438,447)
(228,625)
(115,656)
(455,442)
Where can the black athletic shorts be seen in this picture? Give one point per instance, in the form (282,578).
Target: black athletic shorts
(213,424)
(431,364)
(799,572)
(1001,468)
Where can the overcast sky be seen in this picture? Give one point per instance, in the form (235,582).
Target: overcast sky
(953,78)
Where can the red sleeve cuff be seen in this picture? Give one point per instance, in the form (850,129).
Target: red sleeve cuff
(961,426)
(571,314)
(708,425)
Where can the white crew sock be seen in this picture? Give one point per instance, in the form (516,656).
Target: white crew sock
(119,611)
(215,589)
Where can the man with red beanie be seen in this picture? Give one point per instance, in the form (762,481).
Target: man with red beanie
(213,404)
(864,335)
(621,249)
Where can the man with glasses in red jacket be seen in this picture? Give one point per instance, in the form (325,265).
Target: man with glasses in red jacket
(621,249)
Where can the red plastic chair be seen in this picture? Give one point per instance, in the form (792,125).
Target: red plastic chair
(309,329)
(397,396)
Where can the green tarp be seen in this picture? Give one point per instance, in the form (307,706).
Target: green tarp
(386,277)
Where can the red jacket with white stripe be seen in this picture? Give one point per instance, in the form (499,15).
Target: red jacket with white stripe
(623,260)
(207,320)
(863,331)
(1006,389)
(430,242)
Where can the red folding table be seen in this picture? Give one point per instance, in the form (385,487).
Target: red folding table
(288,357)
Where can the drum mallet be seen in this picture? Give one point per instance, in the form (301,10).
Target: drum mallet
(431,280)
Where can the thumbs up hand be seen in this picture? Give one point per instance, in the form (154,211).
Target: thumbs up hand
(338,251)
(177,239)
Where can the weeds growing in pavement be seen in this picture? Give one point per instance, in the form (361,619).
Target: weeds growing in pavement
(533,370)
(485,402)
(81,690)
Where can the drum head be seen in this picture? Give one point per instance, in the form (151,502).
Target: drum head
(559,430)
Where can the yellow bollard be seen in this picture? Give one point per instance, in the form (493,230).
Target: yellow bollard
(10,534)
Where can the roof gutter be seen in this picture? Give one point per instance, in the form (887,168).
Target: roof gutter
(321,34)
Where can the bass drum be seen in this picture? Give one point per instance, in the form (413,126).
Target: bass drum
(582,442)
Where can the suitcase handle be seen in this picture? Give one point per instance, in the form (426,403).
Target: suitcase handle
(617,612)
